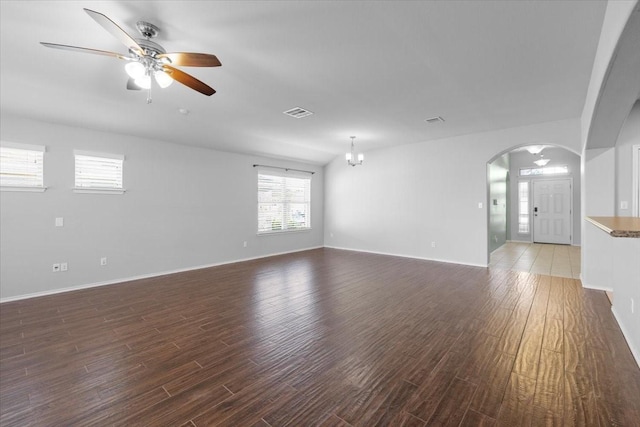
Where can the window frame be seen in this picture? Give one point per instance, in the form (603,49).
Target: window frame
(526,212)
(544,171)
(41,150)
(94,189)
(286,202)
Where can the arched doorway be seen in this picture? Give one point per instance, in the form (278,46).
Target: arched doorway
(516,181)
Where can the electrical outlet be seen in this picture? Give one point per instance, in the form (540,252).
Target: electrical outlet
(433,244)
(244,244)
(64,266)
(59,222)
(624,204)
(103,261)
(56,268)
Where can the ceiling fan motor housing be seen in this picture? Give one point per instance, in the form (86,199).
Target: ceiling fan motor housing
(150,48)
(147,29)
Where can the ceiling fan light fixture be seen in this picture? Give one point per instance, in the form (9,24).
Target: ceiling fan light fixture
(134,69)
(143,82)
(163,79)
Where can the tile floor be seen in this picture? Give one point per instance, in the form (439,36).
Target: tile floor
(553,260)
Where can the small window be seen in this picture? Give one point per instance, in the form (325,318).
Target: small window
(547,170)
(98,172)
(284,202)
(21,167)
(523,207)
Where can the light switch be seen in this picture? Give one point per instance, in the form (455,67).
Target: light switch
(479,205)
(59,222)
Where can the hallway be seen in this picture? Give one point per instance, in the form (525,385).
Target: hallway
(552,260)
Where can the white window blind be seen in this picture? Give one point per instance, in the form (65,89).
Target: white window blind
(97,171)
(284,202)
(22,166)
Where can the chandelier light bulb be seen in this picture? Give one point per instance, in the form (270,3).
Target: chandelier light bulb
(143,82)
(163,79)
(349,156)
(134,69)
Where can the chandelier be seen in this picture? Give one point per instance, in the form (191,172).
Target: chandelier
(351,159)
(537,149)
(541,161)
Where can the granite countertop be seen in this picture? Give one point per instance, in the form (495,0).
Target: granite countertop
(617,226)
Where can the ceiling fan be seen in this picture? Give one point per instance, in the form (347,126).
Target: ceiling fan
(147,58)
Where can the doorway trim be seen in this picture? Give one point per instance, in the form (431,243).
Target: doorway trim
(635,150)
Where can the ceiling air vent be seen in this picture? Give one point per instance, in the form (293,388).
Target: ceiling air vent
(298,112)
(433,120)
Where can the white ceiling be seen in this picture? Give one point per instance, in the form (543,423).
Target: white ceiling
(371,69)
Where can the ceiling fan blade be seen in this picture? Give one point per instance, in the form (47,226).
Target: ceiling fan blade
(115,30)
(84,50)
(188,80)
(190,59)
(131,85)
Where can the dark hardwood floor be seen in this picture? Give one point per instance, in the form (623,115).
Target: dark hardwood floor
(322,337)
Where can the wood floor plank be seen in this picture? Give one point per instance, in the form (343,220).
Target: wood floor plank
(517,406)
(548,399)
(319,337)
(491,386)
(454,404)
(333,421)
(579,401)
(476,419)
(425,400)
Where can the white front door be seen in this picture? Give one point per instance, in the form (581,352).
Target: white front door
(552,211)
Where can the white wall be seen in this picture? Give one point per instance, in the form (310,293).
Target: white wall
(629,136)
(599,181)
(184,207)
(558,157)
(611,264)
(616,17)
(403,198)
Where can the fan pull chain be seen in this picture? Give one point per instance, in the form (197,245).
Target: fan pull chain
(149,93)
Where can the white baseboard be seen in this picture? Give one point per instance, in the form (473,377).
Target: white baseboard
(448,261)
(595,287)
(627,336)
(143,276)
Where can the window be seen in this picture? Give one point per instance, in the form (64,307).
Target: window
(98,172)
(22,167)
(523,207)
(284,202)
(547,170)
